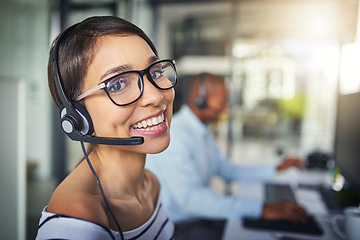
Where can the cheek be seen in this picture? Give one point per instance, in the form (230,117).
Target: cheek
(109,120)
(169,96)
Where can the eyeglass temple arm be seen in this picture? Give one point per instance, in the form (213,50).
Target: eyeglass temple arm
(92,90)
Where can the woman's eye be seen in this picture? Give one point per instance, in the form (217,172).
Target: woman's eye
(117,85)
(156,74)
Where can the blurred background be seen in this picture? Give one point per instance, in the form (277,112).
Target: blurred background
(285,62)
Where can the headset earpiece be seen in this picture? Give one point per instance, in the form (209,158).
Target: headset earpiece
(70,123)
(87,124)
(201,100)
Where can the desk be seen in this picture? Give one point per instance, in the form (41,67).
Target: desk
(309,199)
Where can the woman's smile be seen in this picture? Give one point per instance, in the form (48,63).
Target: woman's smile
(152,126)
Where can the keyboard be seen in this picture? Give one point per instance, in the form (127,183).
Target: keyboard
(277,192)
(310,227)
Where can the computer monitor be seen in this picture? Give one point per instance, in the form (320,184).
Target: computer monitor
(347,140)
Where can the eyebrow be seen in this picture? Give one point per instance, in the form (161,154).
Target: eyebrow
(116,70)
(123,68)
(153,59)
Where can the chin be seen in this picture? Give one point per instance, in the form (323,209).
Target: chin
(157,146)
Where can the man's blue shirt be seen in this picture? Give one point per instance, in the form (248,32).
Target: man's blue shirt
(185,170)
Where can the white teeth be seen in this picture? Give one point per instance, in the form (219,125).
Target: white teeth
(144,124)
(155,121)
(161,118)
(149,122)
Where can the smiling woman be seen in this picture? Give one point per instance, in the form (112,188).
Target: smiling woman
(96,78)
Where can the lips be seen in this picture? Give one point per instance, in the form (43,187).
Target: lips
(150,124)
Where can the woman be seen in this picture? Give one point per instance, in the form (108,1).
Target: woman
(109,70)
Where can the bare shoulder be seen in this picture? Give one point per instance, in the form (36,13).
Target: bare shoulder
(70,201)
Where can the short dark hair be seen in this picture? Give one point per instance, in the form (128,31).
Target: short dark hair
(77,49)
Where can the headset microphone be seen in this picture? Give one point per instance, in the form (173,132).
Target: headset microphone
(75,120)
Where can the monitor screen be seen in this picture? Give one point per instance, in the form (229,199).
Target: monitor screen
(347,141)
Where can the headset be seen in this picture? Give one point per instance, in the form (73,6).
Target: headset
(74,118)
(77,124)
(200,102)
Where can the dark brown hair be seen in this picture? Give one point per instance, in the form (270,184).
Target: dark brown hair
(77,48)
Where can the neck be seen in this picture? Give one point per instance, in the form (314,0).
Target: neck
(119,171)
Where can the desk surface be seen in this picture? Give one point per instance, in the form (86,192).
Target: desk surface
(309,199)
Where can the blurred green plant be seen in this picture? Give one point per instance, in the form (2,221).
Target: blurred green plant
(293,108)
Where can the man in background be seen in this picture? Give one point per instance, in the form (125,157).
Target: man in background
(186,168)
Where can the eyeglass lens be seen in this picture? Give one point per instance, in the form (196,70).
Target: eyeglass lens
(127,87)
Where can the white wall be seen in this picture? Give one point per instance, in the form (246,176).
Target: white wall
(12,155)
(24,38)
(318,129)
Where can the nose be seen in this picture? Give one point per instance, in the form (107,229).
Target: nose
(151,95)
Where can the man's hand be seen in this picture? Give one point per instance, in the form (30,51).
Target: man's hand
(284,211)
(290,162)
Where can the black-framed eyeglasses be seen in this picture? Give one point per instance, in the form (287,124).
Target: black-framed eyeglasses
(127,87)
